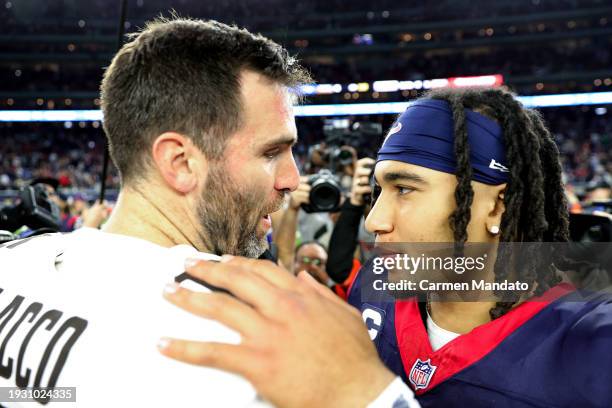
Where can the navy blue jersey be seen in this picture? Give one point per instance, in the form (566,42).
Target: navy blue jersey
(551,351)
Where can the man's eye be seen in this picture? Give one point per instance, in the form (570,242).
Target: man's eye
(404,190)
(270,154)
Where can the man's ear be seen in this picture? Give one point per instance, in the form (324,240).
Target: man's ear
(177,159)
(497,208)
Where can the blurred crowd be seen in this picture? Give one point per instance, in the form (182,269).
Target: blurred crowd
(73,153)
(549,60)
(54,52)
(328,241)
(297,14)
(73,156)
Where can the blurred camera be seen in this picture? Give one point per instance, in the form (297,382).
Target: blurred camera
(341,136)
(325,192)
(34,210)
(590,228)
(341,140)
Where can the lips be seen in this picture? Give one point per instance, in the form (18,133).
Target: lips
(266,220)
(266,223)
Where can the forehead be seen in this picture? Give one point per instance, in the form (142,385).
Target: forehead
(312,250)
(267,108)
(432,177)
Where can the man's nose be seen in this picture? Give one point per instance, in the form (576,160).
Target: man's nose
(288,176)
(380,218)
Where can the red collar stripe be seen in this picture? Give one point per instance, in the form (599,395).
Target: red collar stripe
(458,354)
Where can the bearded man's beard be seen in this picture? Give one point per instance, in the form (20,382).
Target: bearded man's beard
(230,215)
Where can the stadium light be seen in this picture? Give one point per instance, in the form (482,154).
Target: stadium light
(484,80)
(50,115)
(381,108)
(538,101)
(395,86)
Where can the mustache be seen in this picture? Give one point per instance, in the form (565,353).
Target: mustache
(276,204)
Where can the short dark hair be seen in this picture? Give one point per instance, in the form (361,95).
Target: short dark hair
(536,206)
(183,75)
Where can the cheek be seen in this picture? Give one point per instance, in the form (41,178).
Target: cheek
(248,170)
(261,174)
(424,218)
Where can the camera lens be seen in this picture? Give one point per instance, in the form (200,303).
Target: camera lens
(325,192)
(325,196)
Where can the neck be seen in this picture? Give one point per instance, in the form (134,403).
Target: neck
(462,313)
(155,218)
(460,317)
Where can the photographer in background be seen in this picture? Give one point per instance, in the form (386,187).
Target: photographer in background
(311,256)
(310,213)
(293,225)
(34,211)
(345,257)
(600,190)
(285,222)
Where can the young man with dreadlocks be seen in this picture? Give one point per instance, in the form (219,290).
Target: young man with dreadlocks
(459,167)
(474,166)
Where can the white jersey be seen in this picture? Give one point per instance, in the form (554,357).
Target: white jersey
(86,310)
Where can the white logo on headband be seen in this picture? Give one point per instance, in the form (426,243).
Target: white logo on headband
(393,130)
(497,166)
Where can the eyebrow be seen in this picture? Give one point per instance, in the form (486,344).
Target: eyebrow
(392,176)
(280,141)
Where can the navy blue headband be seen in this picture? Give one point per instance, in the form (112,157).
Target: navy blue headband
(424,135)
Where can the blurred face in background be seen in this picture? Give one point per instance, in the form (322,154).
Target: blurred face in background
(52,195)
(312,259)
(79,205)
(254,175)
(600,194)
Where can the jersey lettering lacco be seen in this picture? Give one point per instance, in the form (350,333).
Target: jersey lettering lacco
(85,310)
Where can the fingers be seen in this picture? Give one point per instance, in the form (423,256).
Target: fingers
(366,161)
(218,306)
(361,178)
(361,181)
(237,359)
(364,166)
(361,190)
(244,279)
(363,172)
(305,278)
(304,187)
(246,286)
(267,270)
(358,192)
(302,194)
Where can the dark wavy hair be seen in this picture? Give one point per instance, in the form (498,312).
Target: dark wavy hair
(183,75)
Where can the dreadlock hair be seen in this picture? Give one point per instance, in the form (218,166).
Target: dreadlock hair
(535,203)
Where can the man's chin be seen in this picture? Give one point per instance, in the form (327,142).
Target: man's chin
(253,245)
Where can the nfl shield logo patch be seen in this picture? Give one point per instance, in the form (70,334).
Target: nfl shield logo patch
(421,373)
